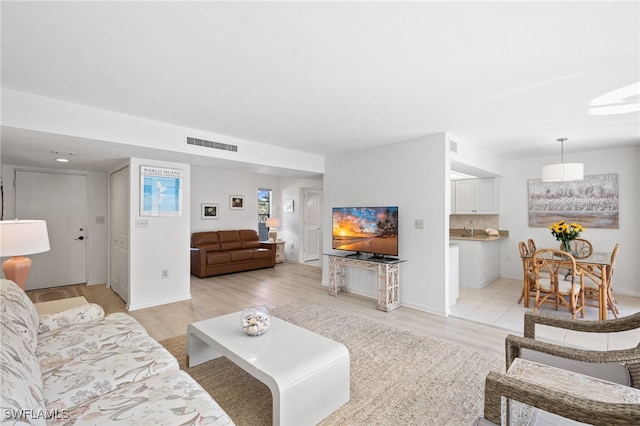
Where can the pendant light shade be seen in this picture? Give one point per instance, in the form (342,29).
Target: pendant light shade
(562,172)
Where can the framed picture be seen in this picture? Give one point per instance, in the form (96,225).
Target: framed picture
(288,206)
(160,191)
(591,202)
(236,202)
(209,211)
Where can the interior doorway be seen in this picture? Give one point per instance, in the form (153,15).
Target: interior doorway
(310,215)
(61,200)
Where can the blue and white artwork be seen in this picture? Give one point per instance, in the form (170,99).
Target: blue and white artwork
(161,191)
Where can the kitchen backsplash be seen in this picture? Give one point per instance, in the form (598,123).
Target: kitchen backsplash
(482,221)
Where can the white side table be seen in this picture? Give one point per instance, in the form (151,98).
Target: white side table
(280,258)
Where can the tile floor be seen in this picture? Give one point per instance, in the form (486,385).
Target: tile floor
(497,304)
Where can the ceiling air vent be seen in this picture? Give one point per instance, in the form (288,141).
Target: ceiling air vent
(212,144)
(453,146)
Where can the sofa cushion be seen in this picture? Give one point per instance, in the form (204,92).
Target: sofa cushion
(241,254)
(205,239)
(249,238)
(251,244)
(93,374)
(229,240)
(218,258)
(79,314)
(171,398)
(57,347)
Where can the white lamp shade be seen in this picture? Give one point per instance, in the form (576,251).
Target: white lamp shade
(22,237)
(273,222)
(563,172)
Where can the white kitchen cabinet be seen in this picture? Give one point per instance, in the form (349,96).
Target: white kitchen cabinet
(454,274)
(476,196)
(479,262)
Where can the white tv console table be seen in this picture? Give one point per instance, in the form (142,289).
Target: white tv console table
(388,277)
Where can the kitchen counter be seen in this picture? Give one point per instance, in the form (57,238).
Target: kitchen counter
(478,235)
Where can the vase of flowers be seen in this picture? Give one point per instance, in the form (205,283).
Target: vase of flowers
(566,232)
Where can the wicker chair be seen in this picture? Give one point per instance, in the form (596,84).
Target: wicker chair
(527,272)
(600,402)
(553,286)
(592,288)
(580,248)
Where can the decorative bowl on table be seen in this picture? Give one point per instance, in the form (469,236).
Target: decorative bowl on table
(255,319)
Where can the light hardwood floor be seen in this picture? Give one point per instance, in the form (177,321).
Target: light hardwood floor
(285,283)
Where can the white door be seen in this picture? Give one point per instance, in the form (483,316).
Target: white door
(61,200)
(310,224)
(119,233)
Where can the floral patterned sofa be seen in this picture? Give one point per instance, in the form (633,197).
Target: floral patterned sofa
(82,367)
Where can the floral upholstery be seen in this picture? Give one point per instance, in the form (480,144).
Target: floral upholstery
(166,399)
(79,314)
(57,347)
(87,368)
(21,383)
(92,374)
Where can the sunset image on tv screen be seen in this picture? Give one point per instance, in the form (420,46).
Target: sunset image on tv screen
(366,229)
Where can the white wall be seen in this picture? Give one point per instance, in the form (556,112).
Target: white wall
(414,176)
(514,217)
(97,237)
(211,185)
(27,111)
(163,245)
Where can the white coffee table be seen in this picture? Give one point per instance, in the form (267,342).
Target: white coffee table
(308,374)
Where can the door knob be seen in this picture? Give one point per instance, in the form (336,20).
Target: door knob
(80,238)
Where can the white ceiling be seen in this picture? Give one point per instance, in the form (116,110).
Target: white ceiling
(329,77)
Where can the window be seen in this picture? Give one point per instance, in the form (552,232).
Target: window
(264,205)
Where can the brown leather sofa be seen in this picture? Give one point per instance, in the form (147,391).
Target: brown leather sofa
(223,252)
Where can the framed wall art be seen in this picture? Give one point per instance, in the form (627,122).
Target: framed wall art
(288,206)
(591,202)
(160,191)
(209,211)
(236,202)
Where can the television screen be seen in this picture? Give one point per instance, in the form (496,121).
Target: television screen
(366,229)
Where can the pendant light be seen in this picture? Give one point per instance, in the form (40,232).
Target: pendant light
(562,172)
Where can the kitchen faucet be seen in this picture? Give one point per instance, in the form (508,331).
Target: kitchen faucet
(470,231)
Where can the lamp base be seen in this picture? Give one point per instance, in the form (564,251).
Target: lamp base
(17,270)
(273,235)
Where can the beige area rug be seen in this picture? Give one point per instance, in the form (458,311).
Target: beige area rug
(397,377)
(56,293)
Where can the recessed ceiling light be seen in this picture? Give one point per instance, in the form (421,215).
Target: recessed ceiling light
(62,156)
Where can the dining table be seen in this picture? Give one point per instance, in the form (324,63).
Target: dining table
(596,267)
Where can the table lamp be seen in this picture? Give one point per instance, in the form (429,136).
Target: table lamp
(273,223)
(19,238)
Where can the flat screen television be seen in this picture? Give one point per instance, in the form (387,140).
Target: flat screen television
(371,230)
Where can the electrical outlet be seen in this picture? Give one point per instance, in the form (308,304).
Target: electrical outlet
(473,222)
(419,224)
(99,219)
(164,273)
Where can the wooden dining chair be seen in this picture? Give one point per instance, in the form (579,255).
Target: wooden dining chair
(592,288)
(531,245)
(527,272)
(552,287)
(580,248)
